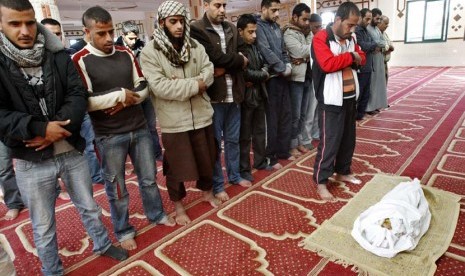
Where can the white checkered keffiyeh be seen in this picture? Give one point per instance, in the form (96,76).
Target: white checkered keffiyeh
(171,8)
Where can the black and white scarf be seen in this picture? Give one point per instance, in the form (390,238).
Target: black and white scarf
(171,8)
(24,58)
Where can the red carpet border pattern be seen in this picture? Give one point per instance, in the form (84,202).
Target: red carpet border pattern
(257,232)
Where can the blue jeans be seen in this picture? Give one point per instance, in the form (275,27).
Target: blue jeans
(149,113)
(226,123)
(113,150)
(37,182)
(87,132)
(310,130)
(11,194)
(300,94)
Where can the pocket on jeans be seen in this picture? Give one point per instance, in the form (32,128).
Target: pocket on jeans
(23,165)
(102,138)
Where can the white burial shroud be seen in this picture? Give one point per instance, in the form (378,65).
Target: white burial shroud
(396,223)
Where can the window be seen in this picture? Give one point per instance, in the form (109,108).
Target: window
(426,21)
(327,17)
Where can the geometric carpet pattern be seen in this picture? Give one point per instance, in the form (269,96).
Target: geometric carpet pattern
(257,232)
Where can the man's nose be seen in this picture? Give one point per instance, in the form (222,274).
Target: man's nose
(109,37)
(25,30)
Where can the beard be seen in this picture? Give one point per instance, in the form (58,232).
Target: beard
(176,41)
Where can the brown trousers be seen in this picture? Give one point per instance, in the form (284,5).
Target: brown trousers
(189,156)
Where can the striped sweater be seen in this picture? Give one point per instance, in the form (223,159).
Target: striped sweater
(106,76)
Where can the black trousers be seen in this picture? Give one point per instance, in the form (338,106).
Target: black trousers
(278,120)
(364,82)
(253,128)
(337,141)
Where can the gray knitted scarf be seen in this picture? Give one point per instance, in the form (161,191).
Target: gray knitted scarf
(24,58)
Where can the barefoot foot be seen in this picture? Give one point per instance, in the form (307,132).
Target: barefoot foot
(348,178)
(129,244)
(325,194)
(277,166)
(245,183)
(222,196)
(12,214)
(181,216)
(167,221)
(210,198)
(182,219)
(64,196)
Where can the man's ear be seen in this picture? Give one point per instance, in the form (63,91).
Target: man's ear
(240,31)
(295,18)
(161,23)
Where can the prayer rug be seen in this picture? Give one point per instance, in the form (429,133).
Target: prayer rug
(333,238)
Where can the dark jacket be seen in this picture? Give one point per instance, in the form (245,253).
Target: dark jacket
(368,45)
(78,45)
(255,73)
(270,42)
(202,30)
(21,115)
(138,46)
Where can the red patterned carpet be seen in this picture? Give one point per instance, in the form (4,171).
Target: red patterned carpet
(258,231)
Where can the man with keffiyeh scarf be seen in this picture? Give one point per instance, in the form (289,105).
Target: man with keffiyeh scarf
(178,71)
(42,104)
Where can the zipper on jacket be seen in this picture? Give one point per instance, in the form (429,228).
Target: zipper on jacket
(190,101)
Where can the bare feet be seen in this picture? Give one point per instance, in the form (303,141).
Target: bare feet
(181,216)
(295,152)
(12,214)
(245,183)
(168,221)
(277,166)
(302,149)
(291,158)
(223,196)
(210,198)
(129,244)
(64,196)
(348,178)
(324,193)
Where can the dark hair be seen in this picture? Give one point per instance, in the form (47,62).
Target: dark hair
(364,11)
(268,3)
(300,8)
(17,5)
(129,27)
(96,13)
(245,19)
(346,9)
(315,18)
(376,12)
(50,21)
